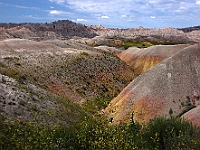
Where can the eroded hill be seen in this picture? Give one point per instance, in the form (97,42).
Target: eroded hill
(143,59)
(163,90)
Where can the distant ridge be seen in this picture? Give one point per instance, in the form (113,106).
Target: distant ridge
(190,29)
(58,29)
(65,29)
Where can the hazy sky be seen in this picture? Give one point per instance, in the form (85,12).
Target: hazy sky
(109,13)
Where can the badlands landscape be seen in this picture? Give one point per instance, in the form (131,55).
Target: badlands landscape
(63,73)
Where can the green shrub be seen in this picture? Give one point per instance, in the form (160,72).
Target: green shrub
(85,53)
(160,133)
(92,133)
(173,133)
(22,102)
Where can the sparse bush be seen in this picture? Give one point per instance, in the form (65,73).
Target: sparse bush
(85,53)
(22,102)
(22,78)
(182,104)
(188,106)
(170,111)
(2,65)
(33,108)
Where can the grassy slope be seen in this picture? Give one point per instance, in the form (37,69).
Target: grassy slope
(91,80)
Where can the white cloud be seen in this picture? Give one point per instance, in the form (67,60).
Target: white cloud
(55,12)
(57,1)
(182,7)
(19,6)
(198,2)
(23,7)
(170,11)
(123,16)
(58,12)
(98,7)
(81,20)
(28,16)
(152,2)
(104,17)
(97,15)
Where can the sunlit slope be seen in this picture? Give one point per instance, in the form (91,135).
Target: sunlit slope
(166,86)
(143,59)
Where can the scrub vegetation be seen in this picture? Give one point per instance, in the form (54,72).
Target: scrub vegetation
(90,134)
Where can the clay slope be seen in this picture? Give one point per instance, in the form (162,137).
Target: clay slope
(143,59)
(160,89)
(193,116)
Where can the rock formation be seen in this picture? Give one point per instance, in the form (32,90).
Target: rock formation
(166,86)
(62,29)
(65,29)
(143,59)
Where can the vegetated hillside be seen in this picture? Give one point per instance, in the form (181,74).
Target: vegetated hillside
(40,71)
(167,89)
(143,59)
(27,102)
